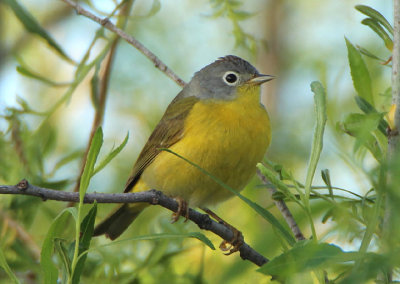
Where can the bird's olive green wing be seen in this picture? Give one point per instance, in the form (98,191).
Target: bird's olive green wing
(167,132)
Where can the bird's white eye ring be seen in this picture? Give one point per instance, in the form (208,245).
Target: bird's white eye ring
(231,78)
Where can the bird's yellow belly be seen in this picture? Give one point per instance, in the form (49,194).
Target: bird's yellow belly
(227,139)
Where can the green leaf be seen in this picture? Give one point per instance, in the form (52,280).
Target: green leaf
(94,150)
(362,126)
(372,13)
(63,254)
(111,155)
(305,256)
(327,180)
(94,86)
(242,15)
(49,269)
(371,265)
(260,210)
(23,70)
(359,73)
(93,153)
(155,8)
(26,108)
(369,53)
(81,71)
(66,159)
(6,267)
(32,25)
(87,228)
(367,108)
(317,143)
(377,28)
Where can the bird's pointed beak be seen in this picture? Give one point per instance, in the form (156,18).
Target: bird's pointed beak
(260,79)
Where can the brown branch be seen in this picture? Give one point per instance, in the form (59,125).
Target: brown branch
(105,22)
(153,197)
(287,215)
(104,81)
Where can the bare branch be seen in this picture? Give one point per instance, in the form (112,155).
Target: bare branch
(105,22)
(103,92)
(153,197)
(287,215)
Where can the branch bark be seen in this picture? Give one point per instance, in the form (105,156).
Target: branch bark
(282,207)
(153,197)
(105,22)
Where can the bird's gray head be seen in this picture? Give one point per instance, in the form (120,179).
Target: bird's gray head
(220,79)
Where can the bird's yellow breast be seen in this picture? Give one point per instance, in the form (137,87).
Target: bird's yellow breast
(226,138)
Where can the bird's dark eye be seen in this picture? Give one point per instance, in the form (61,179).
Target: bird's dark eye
(230,78)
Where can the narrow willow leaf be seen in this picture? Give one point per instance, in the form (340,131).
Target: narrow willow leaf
(81,71)
(370,266)
(260,210)
(67,159)
(49,269)
(23,70)
(111,155)
(359,73)
(33,26)
(242,15)
(369,53)
(6,267)
(317,143)
(377,28)
(87,228)
(367,108)
(306,256)
(372,13)
(94,150)
(327,180)
(63,254)
(94,86)
(362,127)
(155,8)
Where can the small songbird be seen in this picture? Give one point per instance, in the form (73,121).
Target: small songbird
(217,122)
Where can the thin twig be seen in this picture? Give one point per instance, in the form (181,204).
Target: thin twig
(23,235)
(153,197)
(105,22)
(281,205)
(104,82)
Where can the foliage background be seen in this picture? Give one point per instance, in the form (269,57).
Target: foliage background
(298,41)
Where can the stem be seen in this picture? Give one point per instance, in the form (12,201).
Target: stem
(105,22)
(99,115)
(77,237)
(282,207)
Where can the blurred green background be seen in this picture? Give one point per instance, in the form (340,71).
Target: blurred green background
(297,41)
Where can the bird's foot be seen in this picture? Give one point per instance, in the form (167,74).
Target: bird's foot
(183,210)
(228,246)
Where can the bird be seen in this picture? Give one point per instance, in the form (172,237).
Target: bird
(217,122)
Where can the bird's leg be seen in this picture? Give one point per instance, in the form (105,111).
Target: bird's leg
(183,210)
(237,240)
